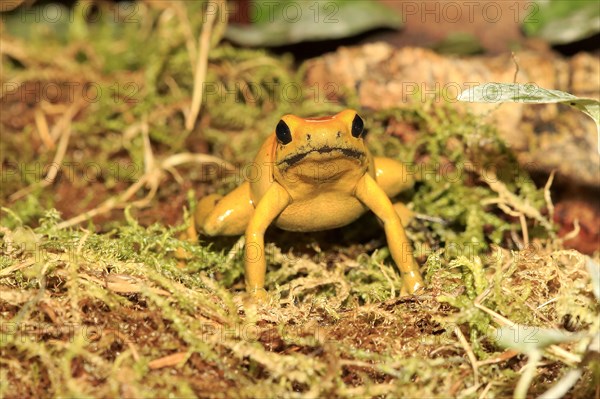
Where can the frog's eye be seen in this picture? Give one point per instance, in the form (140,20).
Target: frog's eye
(358,126)
(283,133)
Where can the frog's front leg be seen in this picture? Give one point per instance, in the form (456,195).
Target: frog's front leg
(269,207)
(373,196)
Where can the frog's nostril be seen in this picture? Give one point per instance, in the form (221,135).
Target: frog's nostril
(308,137)
(339,134)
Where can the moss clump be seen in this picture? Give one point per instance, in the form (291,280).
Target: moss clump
(109,314)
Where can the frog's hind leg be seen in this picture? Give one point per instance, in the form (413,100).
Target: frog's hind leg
(392,176)
(228,215)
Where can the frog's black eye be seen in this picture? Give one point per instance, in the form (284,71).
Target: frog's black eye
(358,126)
(283,133)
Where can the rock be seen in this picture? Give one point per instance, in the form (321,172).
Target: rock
(545,137)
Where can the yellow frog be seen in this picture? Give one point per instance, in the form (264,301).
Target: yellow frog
(312,174)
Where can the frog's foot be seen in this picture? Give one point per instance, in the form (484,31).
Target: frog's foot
(412,284)
(204,208)
(405,214)
(256,296)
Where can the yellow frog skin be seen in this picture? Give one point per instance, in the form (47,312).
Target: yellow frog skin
(314,174)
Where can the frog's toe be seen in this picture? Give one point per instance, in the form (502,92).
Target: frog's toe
(412,286)
(403,290)
(405,213)
(257,296)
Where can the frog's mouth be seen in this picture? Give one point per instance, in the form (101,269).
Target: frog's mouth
(347,152)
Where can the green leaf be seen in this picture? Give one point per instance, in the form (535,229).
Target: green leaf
(288,22)
(531,94)
(562,21)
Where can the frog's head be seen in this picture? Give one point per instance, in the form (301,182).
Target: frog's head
(328,146)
